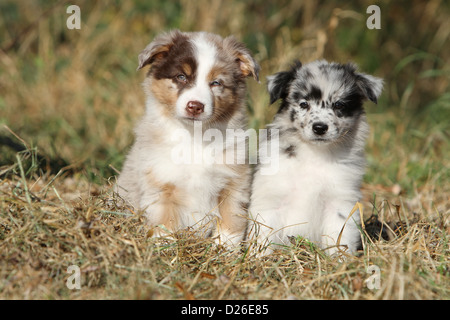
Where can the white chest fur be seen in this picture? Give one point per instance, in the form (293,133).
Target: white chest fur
(309,191)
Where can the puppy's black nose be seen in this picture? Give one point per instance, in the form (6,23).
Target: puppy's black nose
(194,108)
(320,128)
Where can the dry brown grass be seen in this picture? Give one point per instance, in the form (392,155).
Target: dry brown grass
(48,225)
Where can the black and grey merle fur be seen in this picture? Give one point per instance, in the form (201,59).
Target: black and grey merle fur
(322,100)
(322,132)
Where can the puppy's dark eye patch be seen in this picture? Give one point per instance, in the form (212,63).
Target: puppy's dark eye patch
(349,105)
(173,66)
(338,105)
(314,94)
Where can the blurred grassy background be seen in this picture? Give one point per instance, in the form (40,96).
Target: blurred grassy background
(75,94)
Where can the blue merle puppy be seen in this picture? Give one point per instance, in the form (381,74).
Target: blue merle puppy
(322,131)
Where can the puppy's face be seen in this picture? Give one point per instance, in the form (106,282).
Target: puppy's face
(322,101)
(197,76)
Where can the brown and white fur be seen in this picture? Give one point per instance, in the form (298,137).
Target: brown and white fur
(195,81)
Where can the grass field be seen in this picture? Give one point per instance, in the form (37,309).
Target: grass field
(68,103)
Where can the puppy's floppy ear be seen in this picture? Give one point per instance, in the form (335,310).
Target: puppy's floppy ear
(158,48)
(247,64)
(278,84)
(370,86)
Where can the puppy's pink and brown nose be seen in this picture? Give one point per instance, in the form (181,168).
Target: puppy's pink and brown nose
(194,108)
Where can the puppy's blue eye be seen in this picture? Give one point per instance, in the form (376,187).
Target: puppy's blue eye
(182,78)
(215,83)
(339,105)
(304,105)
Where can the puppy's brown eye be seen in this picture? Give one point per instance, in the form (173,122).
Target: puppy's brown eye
(304,105)
(181,78)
